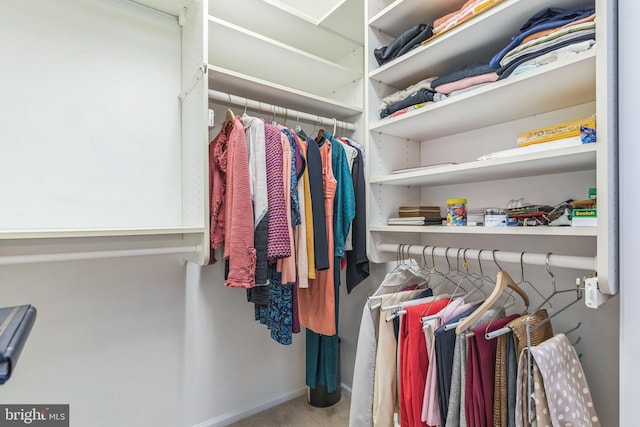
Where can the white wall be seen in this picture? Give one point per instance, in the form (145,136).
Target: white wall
(233,367)
(91,117)
(125,343)
(108,339)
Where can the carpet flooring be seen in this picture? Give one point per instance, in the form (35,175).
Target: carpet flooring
(299,413)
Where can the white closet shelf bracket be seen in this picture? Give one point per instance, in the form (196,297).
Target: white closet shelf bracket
(227,98)
(76,256)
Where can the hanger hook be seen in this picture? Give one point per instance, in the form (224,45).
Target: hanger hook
(464,257)
(521,267)
(246,102)
(553,278)
(433,258)
(446,255)
(229,95)
(480,262)
(408,249)
(493,253)
(458,259)
(424,258)
(335,123)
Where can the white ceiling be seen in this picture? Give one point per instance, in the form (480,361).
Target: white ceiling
(315,11)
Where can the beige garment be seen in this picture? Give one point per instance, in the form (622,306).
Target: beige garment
(533,412)
(519,328)
(567,392)
(402,94)
(561,396)
(385,397)
(302,263)
(500,402)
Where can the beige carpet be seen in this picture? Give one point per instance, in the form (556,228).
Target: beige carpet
(298,413)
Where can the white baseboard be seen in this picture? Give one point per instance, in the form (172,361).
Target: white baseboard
(345,389)
(226,419)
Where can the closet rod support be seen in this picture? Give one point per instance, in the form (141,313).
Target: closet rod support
(239,101)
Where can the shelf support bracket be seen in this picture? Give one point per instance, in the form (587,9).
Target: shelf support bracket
(593,297)
(195,78)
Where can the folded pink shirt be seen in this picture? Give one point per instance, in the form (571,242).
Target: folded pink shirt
(466,82)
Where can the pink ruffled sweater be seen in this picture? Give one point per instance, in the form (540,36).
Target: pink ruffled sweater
(238,228)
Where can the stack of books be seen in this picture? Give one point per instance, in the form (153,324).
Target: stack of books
(416,220)
(417,215)
(414,211)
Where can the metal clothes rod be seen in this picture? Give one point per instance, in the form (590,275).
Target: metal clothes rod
(529,258)
(76,256)
(270,108)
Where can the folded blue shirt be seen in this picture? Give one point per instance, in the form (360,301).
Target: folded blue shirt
(544,20)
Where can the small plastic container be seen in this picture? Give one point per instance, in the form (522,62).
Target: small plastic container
(456,212)
(495,217)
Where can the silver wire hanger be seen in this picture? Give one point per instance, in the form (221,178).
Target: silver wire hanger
(530,329)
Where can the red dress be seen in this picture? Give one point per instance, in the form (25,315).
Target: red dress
(414,362)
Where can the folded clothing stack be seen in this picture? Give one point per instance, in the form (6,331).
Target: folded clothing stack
(548,36)
(545,37)
(468,10)
(464,78)
(409,39)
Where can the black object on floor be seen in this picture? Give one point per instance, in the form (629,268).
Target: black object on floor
(15,326)
(320,397)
